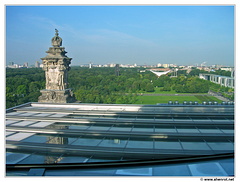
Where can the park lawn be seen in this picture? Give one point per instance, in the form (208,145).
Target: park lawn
(180,99)
(157,90)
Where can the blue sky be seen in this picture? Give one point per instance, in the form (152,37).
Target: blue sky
(123,34)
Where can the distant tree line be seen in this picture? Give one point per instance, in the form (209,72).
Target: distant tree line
(23,85)
(102,85)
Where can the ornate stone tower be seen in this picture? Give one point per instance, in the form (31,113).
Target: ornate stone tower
(56,67)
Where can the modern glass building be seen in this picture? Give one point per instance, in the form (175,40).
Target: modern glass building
(46,139)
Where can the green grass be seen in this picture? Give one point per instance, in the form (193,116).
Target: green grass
(207,98)
(159,91)
(180,99)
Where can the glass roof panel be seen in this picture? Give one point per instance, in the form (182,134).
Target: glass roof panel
(12,113)
(121,128)
(109,133)
(8,122)
(165,129)
(195,146)
(39,159)
(23,123)
(26,114)
(146,129)
(59,115)
(135,172)
(148,144)
(187,130)
(19,136)
(13,158)
(227,131)
(36,139)
(87,141)
(210,131)
(79,126)
(172,170)
(207,169)
(221,145)
(43,114)
(7,133)
(99,128)
(167,145)
(41,124)
(113,142)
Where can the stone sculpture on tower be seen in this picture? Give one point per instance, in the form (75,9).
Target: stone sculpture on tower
(56,67)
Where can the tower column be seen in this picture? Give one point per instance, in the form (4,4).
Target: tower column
(56,67)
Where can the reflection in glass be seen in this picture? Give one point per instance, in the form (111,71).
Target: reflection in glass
(113,142)
(49,159)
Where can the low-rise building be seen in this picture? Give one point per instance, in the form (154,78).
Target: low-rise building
(218,79)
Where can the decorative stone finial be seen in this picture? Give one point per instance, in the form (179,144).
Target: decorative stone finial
(56,30)
(56,40)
